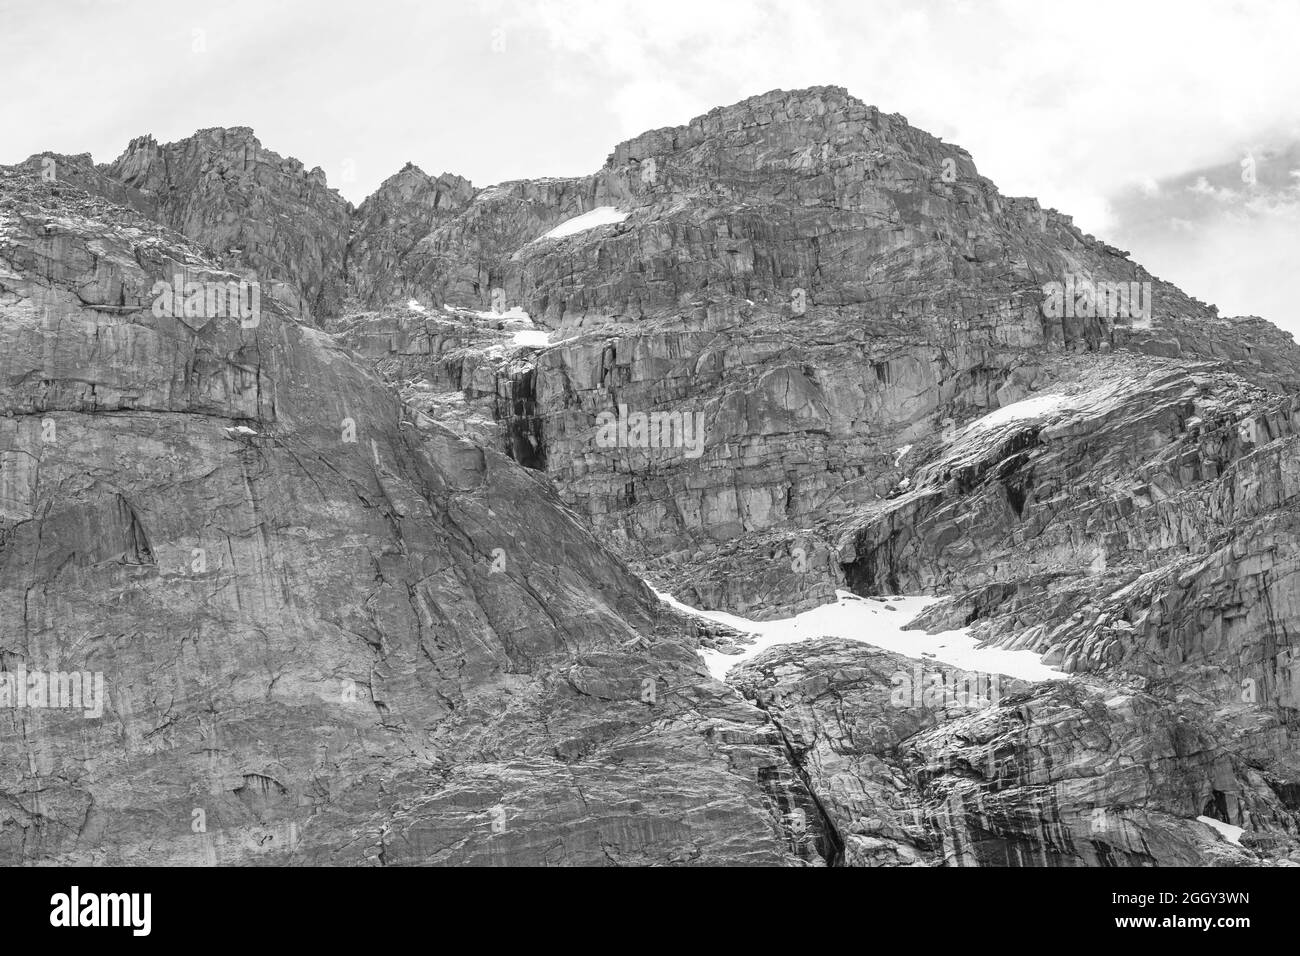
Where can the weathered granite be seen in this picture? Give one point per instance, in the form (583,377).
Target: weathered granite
(343,635)
(850,308)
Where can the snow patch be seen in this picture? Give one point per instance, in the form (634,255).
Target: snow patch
(902,453)
(1226,830)
(600,216)
(515,313)
(520,324)
(879,623)
(534,338)
(415,306)
(1030,408)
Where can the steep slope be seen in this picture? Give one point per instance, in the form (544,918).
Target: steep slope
(821,282)
(892,401)
(880,374)
(222,188)
(246,208)
(326,632)
(1063,774)
(404,210)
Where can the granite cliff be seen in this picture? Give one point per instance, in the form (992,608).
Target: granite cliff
(365,576)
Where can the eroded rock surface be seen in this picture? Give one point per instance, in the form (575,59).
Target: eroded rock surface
(854,329)
(330,631)
(1066,773)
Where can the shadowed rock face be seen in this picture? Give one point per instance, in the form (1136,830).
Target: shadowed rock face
(424,645)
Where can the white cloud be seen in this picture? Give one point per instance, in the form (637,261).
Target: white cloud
(1202,187)
(1071,102)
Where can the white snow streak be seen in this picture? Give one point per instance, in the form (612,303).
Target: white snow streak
(1030,408)
(871,621)
(1226,830)
(600,216)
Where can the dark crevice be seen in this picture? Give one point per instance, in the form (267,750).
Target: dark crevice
(523,425)
(830,844)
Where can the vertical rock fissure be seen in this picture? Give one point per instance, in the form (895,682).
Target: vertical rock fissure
(835,856)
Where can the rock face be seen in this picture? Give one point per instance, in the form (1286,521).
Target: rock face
(804,347)
(249,209)
(250,206)
(403,211)
(328,632)
(921,304)
(1072,774)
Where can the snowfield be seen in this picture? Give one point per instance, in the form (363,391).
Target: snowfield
(1029,409)
(600,216)
(1226,830)
(870,621)
(520,324)
(536,338)
(515,313)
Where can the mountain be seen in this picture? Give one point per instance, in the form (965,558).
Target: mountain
(424,493)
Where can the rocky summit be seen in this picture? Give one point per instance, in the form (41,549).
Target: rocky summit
(780,493)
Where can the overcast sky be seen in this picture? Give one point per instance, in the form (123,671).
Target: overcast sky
(1134,116)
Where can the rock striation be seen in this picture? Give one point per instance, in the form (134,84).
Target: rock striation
(793,346)
(329,631)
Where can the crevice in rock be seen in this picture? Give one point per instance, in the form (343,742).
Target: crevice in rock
(830,845)
(523,424)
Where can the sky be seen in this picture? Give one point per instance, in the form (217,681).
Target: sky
(1170,128)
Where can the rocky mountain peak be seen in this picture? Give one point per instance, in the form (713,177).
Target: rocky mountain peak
(814,124)
(221,187)
(412,181)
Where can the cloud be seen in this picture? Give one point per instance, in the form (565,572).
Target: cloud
(1202,187)
(1222,235)
(1080,103)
